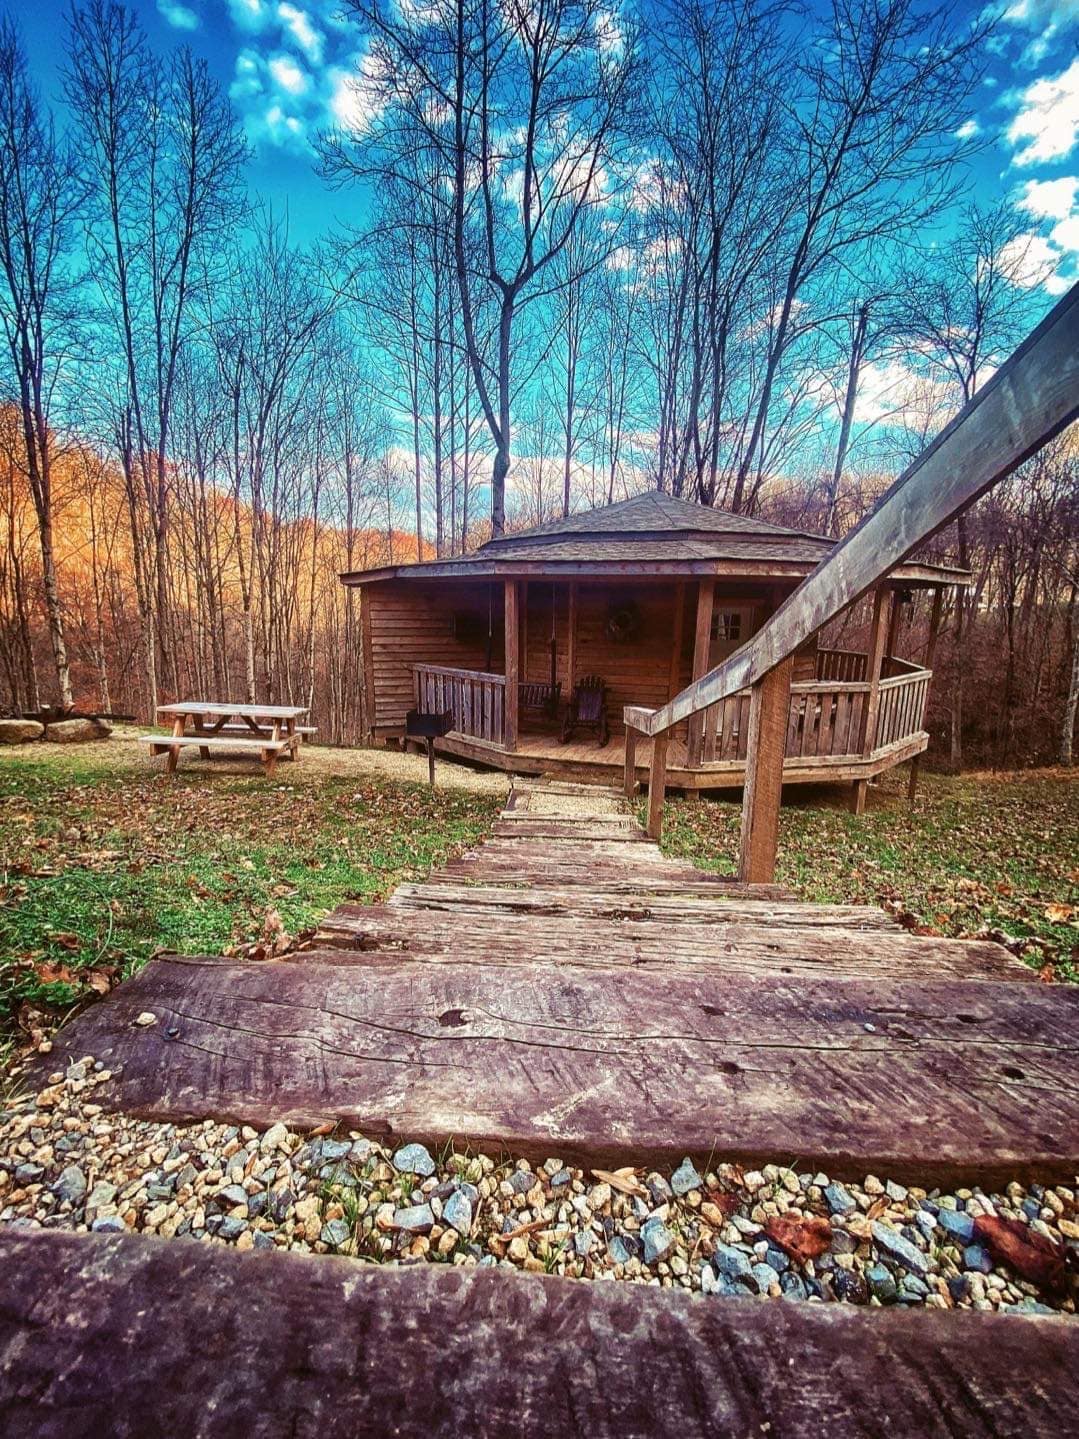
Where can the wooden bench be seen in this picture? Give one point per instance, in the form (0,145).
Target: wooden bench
(269,749)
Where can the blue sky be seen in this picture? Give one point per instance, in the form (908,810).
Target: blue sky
(287,63)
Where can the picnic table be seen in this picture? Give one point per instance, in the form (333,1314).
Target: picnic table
(271,730)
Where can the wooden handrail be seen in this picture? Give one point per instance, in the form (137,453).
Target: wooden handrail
(450,673)
(1031,398)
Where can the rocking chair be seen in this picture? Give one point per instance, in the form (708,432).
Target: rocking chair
(588,709)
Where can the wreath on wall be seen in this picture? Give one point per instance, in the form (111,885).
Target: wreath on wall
(623,622)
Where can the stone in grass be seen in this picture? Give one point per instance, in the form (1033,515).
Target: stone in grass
(881,1283)
(977,1260)
(230,1228)
(685,1178)
(584,1241)
(414,1159)
(657,1239)
(731,1263)
(414,1219)
(957,1224)
(838,1199)
(109,1224)
(71,1186)
(335,1233)
(334,1150)
(457,1212)
(899,1249)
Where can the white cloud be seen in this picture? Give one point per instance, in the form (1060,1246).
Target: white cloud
(968,129)
(288,74)
(1049,199)
(1046,126)
(353,102)
(1029,260)
(249,15)
(180,17)
(301,27)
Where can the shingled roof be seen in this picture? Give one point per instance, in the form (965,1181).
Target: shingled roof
(653,514)
(648,534)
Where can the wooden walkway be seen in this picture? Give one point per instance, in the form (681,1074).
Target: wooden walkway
(127,1337)
(565,989)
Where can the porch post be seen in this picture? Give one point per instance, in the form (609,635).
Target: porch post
(368,710)
(769,708)
(930,651)
(674,674)
(629,777)
(882,606)
(510,616)
(702,640)
(657,784)
(571,638)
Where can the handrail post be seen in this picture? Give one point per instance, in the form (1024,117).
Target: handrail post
(768,712)
(702,642)
(629,777)
(657,785)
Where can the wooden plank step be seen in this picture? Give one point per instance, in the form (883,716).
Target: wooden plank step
(532,827)
(715,907)
(929,1081)
(733,946)
(124,1336)
(631,884)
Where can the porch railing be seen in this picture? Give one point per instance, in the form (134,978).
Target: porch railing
(826,718)
(475,698)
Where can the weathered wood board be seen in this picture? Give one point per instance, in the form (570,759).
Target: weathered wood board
(926,1080)
(715,908)
(763,946)
(128,1338)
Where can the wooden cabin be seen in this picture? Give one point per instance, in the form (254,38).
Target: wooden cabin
(647,595)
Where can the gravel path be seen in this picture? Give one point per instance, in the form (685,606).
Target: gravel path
(65,1163)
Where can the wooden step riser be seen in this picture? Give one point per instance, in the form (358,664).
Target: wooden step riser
(127,1337)
(930,1082)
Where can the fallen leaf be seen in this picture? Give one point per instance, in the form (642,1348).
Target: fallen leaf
(624,1180)
(55,973)
(1030,1254)
(66,941)
(802,1239)
(1059,913)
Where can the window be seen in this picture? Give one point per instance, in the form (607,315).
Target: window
(727,625)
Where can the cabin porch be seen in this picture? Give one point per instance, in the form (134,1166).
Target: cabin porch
(842,726)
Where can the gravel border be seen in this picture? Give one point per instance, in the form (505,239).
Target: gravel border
(66,1163)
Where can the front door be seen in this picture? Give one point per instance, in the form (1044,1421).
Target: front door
(732,625)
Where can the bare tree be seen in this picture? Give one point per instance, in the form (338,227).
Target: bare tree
(40,194)
(159,143)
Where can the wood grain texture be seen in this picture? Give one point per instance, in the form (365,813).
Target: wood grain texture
(929,1080)
(138,1338)
(768,717)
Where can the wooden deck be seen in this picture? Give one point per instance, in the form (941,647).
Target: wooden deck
(105,1335)
(511,1002)
(584,761)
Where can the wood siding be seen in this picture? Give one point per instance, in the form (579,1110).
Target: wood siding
(415,623)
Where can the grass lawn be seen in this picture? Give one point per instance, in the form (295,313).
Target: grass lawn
(103,861)
(984,854)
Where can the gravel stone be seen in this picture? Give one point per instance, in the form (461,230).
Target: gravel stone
(731,1263)
(414,1219)
(957,1224)
(685,1178)
(899,1249)
(657,1239)
(414,1159)
(881,1283)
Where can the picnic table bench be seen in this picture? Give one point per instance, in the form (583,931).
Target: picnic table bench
(271,730)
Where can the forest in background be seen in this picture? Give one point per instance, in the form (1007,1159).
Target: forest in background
(699,246)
